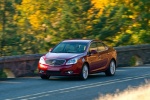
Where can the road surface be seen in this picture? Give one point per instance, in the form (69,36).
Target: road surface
(72,88)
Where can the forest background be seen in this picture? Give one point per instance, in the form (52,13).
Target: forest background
(34,26)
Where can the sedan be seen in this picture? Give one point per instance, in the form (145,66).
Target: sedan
(78,57)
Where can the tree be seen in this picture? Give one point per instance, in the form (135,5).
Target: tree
(8,26)
(124,22)
(76,19)
(33,26)
(38,19)
(13,41)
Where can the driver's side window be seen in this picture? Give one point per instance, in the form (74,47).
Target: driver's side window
(93,46)
(101,47)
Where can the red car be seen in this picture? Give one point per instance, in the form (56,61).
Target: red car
(78,57)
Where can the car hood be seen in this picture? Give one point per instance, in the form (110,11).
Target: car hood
(61,55)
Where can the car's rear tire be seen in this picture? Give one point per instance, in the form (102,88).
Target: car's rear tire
(45,76)
(84,72)
(111,69)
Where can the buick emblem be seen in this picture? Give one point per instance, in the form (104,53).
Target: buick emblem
(53,62)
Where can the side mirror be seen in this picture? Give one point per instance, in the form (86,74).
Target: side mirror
(93,52)
(50,49)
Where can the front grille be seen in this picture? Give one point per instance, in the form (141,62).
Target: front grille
(55,62)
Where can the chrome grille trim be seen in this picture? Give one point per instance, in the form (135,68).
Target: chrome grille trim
(55,62)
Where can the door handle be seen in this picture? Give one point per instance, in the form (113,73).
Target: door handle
(99,57)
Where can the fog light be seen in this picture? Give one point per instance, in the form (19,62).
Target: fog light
(41,71)
(69,72)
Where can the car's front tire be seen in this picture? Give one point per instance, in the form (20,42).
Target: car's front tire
(111,69)
(84,72)
(45,76)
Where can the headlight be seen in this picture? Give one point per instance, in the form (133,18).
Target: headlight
(72,61)
(42,61)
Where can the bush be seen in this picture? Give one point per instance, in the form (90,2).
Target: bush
(2,74)
(132,61)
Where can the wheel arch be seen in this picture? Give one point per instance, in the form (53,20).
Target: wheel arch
(108,71)
(114,60)
(87,65)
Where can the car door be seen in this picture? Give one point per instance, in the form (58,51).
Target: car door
(102,56)
(93,57)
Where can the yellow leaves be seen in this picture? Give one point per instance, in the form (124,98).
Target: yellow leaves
(0,27)
(127,1)
(135,38)
(129,31)
(131,16)
(88,27)
(26,6)
(148,22)
(34,21)
(136,25)
(48,38)
(100,4)
(117,38)
(31,10)
(26,1)
(113,4)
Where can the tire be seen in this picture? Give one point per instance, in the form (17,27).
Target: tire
(84,72)
(111,69)
(45,76)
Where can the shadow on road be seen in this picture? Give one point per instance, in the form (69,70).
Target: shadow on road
(75,78)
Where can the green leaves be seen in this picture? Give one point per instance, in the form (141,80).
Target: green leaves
(34,26)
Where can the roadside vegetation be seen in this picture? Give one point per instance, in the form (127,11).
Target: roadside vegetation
(34,26)
(139,93)
(2,74)
(132,61)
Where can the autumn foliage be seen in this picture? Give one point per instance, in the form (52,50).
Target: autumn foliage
(34,26)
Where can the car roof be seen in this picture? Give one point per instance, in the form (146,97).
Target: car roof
(78,40)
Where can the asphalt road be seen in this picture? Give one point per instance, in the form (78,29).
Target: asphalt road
(72,88)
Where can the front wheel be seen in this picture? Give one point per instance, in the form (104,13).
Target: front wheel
(84,72)
(111,69)
(45,76)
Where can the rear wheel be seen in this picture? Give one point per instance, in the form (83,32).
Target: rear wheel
(85,72)
(45,76)
(112,69)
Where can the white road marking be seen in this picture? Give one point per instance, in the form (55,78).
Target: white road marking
(136,67)
(90,87)
(75,88)
(120,70)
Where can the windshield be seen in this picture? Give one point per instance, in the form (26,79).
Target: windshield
(70,47)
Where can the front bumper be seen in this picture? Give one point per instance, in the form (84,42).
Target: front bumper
(64,70)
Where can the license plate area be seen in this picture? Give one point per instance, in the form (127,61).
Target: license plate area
(53,72)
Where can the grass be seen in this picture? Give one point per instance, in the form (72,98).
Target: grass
(140,93)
